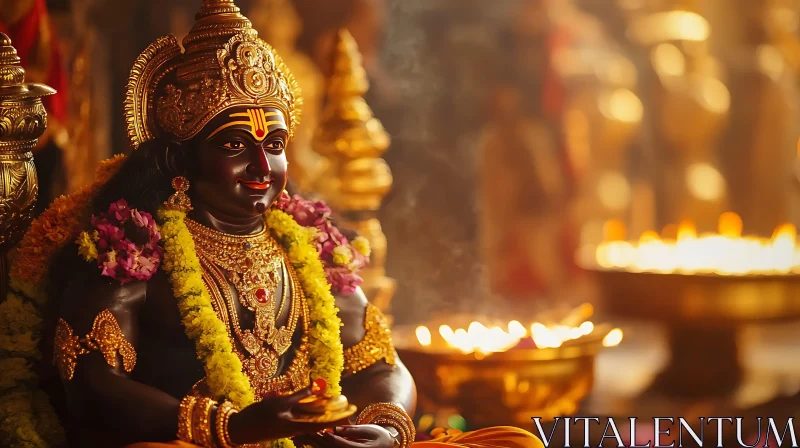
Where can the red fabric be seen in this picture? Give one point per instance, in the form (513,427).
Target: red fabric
(26,36)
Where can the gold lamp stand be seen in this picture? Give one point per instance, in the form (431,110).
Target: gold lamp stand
(356,179)
(23,120)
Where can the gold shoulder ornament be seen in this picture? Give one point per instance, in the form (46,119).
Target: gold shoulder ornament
(106,337)
(377,343)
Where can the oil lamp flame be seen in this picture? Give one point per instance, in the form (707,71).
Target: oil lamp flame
(479,339)
(613,338)
(725,253)
(424,336)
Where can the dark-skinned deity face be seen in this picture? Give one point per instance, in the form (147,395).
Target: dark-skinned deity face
(237,163)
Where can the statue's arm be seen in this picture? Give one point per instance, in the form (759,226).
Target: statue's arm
(381,381)
(101,397)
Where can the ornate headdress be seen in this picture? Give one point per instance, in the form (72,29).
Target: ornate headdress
(224,64)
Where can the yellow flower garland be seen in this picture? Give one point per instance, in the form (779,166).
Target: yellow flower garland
(223,369)
(224,373)
(327,358)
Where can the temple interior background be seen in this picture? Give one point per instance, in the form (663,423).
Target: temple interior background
(597,198)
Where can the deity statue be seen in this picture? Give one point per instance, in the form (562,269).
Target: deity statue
(184,299)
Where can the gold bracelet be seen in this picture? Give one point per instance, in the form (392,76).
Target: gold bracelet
(390,414)
(185,418)
(224,412)
(201,422)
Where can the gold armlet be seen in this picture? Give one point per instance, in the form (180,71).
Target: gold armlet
(106,337)
(224,412)
(390,414)
(376,345)
(201,422)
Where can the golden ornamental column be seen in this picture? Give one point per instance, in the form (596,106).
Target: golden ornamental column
(356,179)
(765,122)
(23,120)
(691,109)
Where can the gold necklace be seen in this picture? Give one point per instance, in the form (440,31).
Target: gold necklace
(252,264)
(281,338)
(296,376)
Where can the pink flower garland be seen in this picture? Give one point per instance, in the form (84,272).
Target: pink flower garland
(341,261)
(127,243)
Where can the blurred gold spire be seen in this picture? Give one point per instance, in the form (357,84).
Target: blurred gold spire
(357,178)
(351,138)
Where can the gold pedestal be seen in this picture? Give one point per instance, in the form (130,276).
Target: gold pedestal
(703,315)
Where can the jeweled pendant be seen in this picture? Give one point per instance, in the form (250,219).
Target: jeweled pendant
(262,295)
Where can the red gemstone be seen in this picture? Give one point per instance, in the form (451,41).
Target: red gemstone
(259,133)
(178,183)
(262,295)
(319,386)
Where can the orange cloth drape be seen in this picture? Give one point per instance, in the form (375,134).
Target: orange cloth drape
(498,437)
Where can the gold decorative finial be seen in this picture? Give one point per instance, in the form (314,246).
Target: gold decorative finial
(10,70)
(23,120)
(211,7)
(349,77)
(217,19)
(357,178)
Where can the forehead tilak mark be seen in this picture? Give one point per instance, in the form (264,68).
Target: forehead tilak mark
(257,123)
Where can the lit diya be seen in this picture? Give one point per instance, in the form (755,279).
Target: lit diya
(500,374)
(322,408)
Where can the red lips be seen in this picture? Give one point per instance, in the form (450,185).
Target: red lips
(254,184)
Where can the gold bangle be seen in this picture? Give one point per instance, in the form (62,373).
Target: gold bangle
(390,414)
(224,412)
(201,422)
(185,418)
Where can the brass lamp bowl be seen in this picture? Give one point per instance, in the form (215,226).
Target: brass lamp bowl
(705,298)
(506,388)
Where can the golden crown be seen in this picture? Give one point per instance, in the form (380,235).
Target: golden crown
(224,64)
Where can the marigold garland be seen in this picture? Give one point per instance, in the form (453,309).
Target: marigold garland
(327,359)
(223,369)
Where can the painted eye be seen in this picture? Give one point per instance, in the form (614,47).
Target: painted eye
(276,145)
(233,145)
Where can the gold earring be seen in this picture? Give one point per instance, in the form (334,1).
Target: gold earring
(179,200)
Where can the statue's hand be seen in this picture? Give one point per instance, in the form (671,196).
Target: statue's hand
(269,420)
(358,436)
